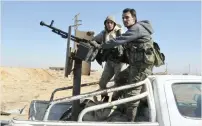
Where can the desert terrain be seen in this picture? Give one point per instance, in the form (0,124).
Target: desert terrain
(19,86)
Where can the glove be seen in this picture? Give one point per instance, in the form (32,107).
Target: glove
(95,44)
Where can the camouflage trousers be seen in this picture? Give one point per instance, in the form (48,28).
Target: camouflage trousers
(111,69)
(132,74)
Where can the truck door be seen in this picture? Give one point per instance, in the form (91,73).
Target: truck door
(184,102)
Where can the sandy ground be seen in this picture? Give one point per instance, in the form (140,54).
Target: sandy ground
(19,86)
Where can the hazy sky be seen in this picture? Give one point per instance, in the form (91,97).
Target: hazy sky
(25,43)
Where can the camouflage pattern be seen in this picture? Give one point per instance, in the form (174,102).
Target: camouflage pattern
(132,74)
(141,65)
(140,56)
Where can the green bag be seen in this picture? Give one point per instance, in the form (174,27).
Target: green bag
(159,56)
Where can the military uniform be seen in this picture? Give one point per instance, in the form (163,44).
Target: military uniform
(140,56)
(113,65)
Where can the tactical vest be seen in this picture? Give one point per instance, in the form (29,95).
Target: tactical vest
(114,54)
(143,53)
(140,53)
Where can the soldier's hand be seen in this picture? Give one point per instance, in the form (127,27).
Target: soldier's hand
(95,44)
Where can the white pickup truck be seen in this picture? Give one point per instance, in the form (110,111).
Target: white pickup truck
(172,100)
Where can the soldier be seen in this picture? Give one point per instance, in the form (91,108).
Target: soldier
(140,56)
(112,57)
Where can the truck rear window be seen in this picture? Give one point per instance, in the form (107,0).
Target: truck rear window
(188,99)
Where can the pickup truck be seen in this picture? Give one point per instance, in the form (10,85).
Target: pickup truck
(172,100)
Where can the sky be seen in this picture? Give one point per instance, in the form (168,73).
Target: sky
(24,43)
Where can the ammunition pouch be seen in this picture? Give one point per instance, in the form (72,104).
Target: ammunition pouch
(141,54)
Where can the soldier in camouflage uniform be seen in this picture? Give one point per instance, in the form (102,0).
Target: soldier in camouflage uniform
(140,56)
(113,65)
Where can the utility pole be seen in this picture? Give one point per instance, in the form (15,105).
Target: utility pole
(76,21)
(85,66)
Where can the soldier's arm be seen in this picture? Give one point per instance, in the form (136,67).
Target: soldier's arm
(98,38)
(121,30)
(128,36)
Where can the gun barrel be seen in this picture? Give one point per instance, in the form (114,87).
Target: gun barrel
(43,24)
(62,33)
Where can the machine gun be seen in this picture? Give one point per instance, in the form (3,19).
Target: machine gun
(86,51)
(64,34)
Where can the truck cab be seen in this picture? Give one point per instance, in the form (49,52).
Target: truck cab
(175,100)
(171,100)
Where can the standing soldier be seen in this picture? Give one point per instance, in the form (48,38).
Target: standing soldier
(140,55)
(112,56)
